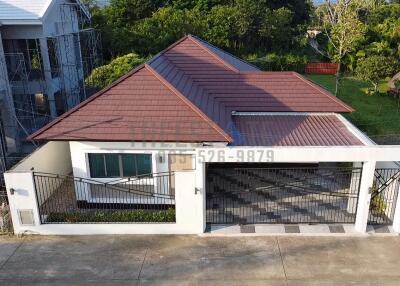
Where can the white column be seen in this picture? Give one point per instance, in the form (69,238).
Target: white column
(396,219)
(188,204)
(44,50)
(364,199)
(7,108)
(200,186)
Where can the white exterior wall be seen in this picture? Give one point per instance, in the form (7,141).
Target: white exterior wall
(159,152)
(189,211)
(384,153)
(53,157)
(190,185)
(79,151)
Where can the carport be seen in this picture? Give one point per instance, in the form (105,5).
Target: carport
(286,185)
(282,193)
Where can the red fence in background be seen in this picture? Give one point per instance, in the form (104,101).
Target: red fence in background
(321,68)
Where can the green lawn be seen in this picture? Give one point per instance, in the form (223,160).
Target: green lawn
(376,115)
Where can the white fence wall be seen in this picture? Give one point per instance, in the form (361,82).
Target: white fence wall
(53,157)
(189,211)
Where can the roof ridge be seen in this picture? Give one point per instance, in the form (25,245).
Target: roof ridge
(84,103)
(197,42)
(166,49)
(323,91)
(225,52)
(190,104)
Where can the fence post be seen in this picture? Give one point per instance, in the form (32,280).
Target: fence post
(22,199)
(364,199)
(396,218)
(188,203)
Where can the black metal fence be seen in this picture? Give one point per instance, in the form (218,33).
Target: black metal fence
(3,192)
(5,215)
(67,199)
(384,196)
(282,195)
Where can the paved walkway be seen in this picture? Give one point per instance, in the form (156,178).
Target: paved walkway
(193,260)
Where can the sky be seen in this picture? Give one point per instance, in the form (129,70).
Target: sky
(320,1)
(103,2)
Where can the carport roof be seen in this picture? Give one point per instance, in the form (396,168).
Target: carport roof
(292,130)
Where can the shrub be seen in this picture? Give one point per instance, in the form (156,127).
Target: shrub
(285,62)
(105,75)
(378,204)
(117,216)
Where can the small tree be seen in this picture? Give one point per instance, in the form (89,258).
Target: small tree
(343,29)
(373,69)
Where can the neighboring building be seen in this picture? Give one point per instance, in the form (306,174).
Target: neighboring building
(102,3)
(46,50)
(197,136)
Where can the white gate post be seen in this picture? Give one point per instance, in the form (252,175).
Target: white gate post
(364,197)
(189,203)
(201,188)
(396,218)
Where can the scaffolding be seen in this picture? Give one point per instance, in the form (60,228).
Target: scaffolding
(47,75)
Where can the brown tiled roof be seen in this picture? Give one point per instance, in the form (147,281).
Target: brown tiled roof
(233,61)
(140,107)
(291,130)
(193,84)
(218,88)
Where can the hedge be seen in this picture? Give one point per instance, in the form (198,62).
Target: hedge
(285,62)
(117,216)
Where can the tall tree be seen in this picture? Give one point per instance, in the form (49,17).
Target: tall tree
(343,28)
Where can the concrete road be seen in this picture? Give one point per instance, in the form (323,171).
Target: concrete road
(192,260)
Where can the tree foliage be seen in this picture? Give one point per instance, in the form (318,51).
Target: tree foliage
(105,75)
(241,26)
(271,33)
(373,69)
(343,29)
(155,33)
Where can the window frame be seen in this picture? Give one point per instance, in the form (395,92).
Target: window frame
(120,164)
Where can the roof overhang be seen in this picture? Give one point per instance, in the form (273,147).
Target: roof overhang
(38,17)
(296,129)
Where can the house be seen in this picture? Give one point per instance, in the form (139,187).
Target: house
(196,136)
(44,58)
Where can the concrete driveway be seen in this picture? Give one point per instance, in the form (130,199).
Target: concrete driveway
(193,260)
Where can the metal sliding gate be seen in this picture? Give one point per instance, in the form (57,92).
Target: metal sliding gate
(282,195)
(384,196)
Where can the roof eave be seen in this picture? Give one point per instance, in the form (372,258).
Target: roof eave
(118,140)
(34,135)
(346,108)
(20,22)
